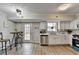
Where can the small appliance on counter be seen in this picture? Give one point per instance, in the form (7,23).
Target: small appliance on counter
(42,31)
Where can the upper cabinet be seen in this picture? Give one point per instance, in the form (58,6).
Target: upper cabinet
(43,25)
(64,24)
(75,24)
(59,25)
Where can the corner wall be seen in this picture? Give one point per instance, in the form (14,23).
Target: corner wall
(6,26)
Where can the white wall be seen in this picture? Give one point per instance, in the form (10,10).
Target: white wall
(36,32)
(20,26)
(6,26)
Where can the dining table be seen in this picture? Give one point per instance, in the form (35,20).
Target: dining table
(16,37)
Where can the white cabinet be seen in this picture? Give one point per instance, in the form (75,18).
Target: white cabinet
(57,39)
(73,24)
(65,25)
(43,25)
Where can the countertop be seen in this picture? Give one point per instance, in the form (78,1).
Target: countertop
(44,34)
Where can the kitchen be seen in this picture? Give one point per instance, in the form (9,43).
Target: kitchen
(55,35)
(58,36)
(41,26)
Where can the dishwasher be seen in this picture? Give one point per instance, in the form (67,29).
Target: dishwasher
(44,40)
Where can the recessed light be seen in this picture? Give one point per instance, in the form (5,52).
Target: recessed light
(64,6)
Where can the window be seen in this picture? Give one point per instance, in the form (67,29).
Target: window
(51,26)
(27,31)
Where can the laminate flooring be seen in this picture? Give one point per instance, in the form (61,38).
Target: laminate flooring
(36,49)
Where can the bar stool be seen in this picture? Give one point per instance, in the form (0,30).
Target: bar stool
(4,41)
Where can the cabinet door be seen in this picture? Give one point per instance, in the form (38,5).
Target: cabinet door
(43,25)
(65,25)
(54,40)
(74,24)
(51,40)
(59,40)
(62,25)
(62,40)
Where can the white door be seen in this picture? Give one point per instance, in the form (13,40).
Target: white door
(35,33)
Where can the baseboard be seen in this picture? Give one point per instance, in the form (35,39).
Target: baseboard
(27,42)
(59,45)
(35,43)
(44,44)
(32,42)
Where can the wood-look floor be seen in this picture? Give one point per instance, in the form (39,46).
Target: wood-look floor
(35,49)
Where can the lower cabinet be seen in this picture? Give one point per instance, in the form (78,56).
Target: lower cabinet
(55,40)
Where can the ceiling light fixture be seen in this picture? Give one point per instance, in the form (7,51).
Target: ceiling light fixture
(19,13)
(64,6)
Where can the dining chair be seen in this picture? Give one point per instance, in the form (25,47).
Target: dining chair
(2,41)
